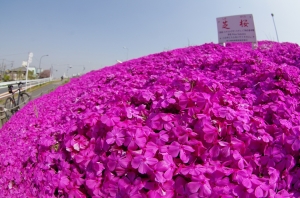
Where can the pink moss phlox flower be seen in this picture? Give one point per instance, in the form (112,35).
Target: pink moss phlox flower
(115,136)
(143,162)
(171,167)
(201,121)
(132,113)
(201,185)
(74,191)
(241,162)
(287,162)
(161,121)
(135,138)
(110,120)
(205,128)
(224,112)
(272,156)
(79,142)
(294,138)
(160,138)
(116,160)
(159,169)
(84,157)
(181,148)
(130,180)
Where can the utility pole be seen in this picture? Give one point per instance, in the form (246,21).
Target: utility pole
(275,26)
(2,69)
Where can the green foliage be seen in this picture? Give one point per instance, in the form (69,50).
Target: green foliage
(31,75)
(6,78)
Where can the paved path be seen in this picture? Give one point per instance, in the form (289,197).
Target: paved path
(45,89)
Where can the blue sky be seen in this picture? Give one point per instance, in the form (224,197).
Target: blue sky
(93,33)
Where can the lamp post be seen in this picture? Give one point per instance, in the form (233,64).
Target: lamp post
(52,71)
(40,63)
(275,26)
(83,69)
(59,65)
(127,52)
(69,67)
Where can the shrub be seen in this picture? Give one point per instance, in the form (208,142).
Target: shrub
(6,78)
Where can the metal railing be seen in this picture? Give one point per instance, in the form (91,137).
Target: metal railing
(3,111)
(30,83)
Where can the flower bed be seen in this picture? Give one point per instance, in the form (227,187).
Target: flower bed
(203,121)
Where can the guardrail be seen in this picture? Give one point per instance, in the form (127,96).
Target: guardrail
(3,111)
(30,83)
(4,84)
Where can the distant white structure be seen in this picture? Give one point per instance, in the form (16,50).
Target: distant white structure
(34,69)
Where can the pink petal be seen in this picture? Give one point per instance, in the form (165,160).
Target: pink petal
(141,142)
(111,164)
(168,174)
(162,166)
(188,148)
(241,164)
(159,177)
(259,192)
(64,181)
(151,161)
(247,183)
(174,149)
(135,163)
(206,190)
(193,186)
(143,168)
(215,151)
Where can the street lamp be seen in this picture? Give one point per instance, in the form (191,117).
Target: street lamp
(69,67)
(40,63)
(275,26)
(83,69)
(127,52)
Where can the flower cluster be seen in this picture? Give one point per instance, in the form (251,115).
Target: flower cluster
(202,121)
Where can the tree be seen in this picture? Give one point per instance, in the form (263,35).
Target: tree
(45,74)
(31,75)
(6,78)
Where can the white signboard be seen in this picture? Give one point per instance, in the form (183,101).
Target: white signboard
(24,63)
(30,57)
(239,28)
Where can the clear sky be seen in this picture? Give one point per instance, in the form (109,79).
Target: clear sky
(93,33)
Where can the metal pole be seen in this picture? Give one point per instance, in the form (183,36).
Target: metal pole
(28,62)
(275,26)
(2,69)
(40,63)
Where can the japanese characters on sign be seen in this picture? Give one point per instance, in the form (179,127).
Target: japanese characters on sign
(238,28)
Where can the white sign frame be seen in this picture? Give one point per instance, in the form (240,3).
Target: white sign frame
(238,28)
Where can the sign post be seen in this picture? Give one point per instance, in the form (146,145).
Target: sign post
(28,62)
(239,28)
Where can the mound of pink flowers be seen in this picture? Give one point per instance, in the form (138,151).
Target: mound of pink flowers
(203,121)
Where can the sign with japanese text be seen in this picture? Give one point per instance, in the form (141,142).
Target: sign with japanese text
(30,57)
(239,28)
